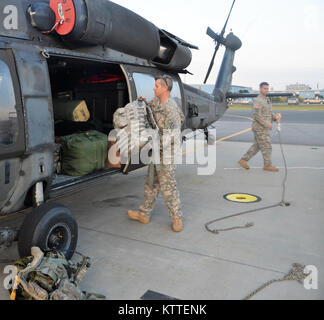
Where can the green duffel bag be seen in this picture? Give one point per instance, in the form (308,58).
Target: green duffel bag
(84,153)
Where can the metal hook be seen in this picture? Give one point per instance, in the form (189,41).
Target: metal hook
(45,54)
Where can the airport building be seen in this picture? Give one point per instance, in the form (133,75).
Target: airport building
(298,87)
(305,91)
(311,94)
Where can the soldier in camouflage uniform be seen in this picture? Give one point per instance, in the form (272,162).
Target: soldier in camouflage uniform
(262,124)
(161,177)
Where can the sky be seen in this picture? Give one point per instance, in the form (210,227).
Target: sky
(283,40)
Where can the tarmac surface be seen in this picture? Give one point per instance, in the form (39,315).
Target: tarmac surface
(129,259)
(298,127)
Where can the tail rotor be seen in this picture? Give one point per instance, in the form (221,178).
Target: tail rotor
(219,40)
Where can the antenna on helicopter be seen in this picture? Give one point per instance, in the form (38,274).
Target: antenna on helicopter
(218,42)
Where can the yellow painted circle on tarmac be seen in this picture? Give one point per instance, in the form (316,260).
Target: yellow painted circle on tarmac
(242,198)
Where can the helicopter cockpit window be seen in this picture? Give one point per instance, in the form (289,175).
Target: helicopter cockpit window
(8,113)
(145,84)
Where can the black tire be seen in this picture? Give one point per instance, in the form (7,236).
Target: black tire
(49,226)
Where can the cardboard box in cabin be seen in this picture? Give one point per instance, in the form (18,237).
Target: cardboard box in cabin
(71,110)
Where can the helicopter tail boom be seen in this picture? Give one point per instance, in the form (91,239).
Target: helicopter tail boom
(224,80)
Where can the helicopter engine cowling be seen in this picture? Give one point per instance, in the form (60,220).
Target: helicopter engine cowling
(172,54)
(102,22)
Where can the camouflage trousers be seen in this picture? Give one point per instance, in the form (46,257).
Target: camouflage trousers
(165,181)
(262,143)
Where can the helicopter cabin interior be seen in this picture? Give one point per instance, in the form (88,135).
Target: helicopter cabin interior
(100,88)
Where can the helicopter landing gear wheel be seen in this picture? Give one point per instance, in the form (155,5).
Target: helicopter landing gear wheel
(50,227)
(211,140)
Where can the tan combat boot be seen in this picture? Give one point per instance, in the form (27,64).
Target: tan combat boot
(177,225)
(244,164)
(271,169)
(137,216)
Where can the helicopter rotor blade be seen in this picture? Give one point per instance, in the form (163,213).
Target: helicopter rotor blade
(229,15)
(209,31)
(212,63)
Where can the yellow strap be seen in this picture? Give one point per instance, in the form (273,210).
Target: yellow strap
(13,295)
(14,289)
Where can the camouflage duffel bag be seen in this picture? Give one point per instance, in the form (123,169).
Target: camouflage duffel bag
(135,128)
(50,276)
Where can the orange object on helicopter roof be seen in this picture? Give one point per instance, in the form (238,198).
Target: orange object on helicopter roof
(65,16)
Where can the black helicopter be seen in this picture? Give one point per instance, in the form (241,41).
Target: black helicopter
(90,50)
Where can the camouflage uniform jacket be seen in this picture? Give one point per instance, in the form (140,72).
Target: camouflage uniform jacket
(168,117)
(263,116)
